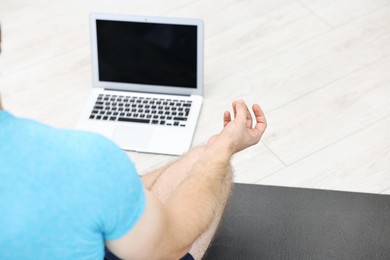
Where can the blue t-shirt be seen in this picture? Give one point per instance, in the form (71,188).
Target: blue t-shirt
(62,192)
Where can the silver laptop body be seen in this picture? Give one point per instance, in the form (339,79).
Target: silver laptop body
(147,82)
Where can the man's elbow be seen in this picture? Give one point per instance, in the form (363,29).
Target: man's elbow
(172,250)
(177,253)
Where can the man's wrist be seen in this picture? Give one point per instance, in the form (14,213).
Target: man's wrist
(218,152)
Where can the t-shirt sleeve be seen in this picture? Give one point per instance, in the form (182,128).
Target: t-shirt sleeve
(122,195)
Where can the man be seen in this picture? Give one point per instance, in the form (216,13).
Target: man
(68,194)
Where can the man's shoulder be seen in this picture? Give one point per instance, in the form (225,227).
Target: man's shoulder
(86,138)
(82,150)
(91,145)
(34,131)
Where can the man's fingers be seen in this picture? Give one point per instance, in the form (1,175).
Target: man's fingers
(226,118)
(234,105)
(261,121)
(243,113)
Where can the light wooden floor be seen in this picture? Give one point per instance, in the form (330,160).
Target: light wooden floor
(319,68)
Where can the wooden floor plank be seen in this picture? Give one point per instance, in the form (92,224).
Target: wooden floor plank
(338,13)
(358,163)
(254,40)
(330,114)
(305,68)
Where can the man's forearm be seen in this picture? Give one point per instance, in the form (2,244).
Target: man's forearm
(194,202)
(184,163)
(150,178)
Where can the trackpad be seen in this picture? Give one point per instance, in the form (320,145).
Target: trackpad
(132,137)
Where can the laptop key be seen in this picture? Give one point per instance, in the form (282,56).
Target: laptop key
(180,118)
(134,120)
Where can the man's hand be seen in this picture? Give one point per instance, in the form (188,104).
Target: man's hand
(240,133)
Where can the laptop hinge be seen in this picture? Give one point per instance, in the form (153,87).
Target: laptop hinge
(155,93)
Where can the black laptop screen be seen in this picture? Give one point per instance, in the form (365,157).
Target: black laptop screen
(147,53)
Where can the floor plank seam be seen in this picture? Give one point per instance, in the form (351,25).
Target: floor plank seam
(274,154)
(385,191)
(269,175)
(316,14)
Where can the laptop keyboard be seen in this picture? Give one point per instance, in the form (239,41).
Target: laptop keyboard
(156,111)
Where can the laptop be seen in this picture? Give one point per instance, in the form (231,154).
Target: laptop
(147,89)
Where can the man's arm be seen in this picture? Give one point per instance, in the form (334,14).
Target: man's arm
(151,178)
(167,231)
(183,163)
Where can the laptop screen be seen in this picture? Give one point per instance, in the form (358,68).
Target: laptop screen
(147,53)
